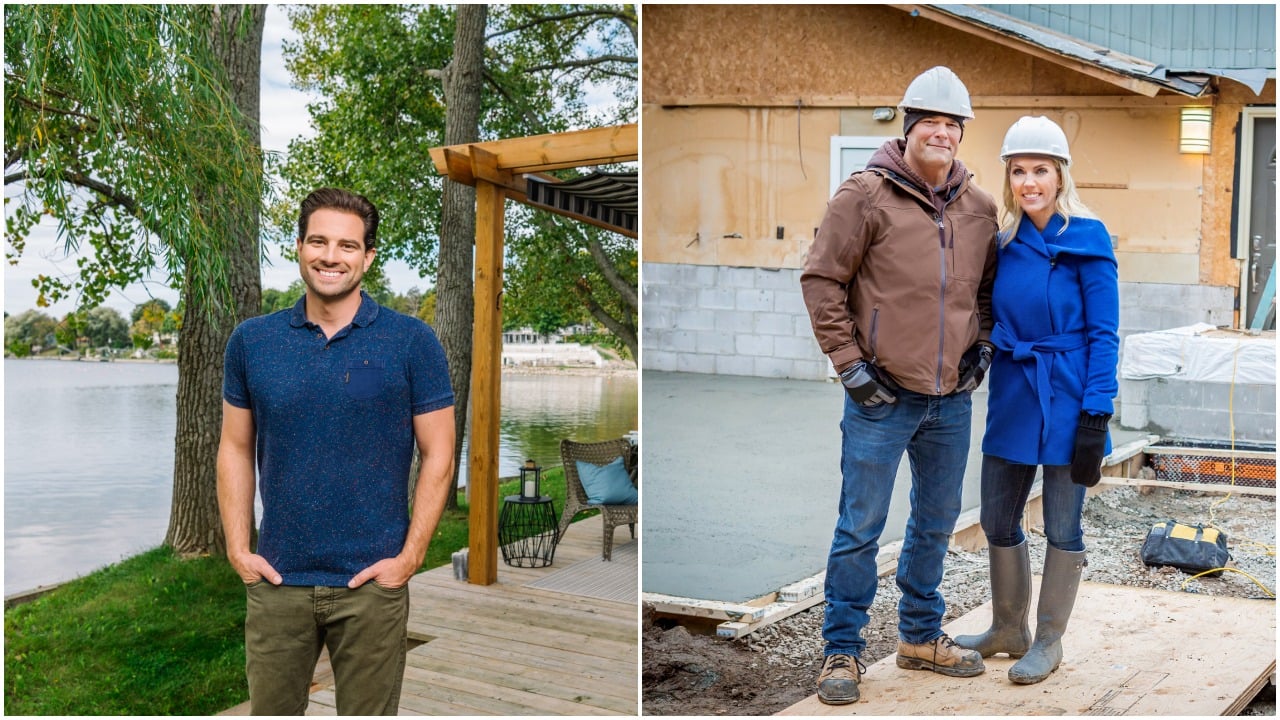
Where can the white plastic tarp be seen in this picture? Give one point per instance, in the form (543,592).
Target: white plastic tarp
(1202,353)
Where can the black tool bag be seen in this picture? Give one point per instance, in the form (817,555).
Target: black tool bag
(1190,548)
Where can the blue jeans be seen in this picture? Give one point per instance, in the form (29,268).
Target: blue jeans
(934,432)
(1005,488)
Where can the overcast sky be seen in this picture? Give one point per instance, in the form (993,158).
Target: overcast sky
(284,117)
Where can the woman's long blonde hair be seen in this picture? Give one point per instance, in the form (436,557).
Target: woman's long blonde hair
(1068,203)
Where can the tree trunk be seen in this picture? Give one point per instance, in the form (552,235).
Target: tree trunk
(195,527)
(455,314)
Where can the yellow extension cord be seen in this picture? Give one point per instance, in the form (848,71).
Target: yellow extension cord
(1269,550)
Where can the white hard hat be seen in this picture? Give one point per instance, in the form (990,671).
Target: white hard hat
(1035,136)
(939,90)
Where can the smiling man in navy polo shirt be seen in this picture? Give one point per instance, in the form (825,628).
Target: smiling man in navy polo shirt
(330,397)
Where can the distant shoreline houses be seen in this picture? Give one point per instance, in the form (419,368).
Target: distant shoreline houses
(527,347)
(529,336)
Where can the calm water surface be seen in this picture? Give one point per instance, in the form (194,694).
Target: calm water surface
(88,454)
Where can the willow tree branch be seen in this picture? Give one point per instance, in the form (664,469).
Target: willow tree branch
(16,154)
(52,110)
(72,177)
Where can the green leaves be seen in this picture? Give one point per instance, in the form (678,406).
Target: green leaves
(116,116)
(377,68)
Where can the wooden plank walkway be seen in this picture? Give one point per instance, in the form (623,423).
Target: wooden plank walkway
(508,649)
(1128,651)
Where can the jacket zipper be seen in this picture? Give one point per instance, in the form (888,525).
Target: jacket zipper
(875,324)
(942,299)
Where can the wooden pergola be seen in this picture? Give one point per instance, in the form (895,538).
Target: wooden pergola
(502,169)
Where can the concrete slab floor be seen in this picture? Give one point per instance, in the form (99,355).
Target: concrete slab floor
(741,478)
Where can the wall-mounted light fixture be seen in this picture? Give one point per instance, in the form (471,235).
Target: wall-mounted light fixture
(1196,127)
(883,114)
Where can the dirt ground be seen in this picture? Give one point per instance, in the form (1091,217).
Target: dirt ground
(687,673)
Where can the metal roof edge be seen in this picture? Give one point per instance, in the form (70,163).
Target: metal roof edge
(1068,47)
(1252,78)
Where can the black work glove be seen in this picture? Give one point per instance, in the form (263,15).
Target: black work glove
(973,366)
(865,386)
(1091,447)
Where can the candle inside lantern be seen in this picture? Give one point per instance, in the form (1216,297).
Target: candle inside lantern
(529,489)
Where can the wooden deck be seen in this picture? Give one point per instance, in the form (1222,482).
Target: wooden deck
(507,649)
(1128,651)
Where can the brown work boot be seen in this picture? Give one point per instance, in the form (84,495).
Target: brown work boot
(941,655)
(838,681)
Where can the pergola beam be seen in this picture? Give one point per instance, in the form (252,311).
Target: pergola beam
(541,153)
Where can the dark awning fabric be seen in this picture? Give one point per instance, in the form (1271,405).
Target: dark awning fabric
(610,198)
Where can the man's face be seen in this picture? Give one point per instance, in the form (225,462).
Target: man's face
(932,142)
(332,258)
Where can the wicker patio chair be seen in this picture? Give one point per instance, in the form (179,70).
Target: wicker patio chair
(575,497)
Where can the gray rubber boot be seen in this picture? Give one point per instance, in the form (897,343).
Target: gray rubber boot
(1057,598)
(1010,603)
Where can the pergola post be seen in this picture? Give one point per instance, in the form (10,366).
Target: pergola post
(486,385)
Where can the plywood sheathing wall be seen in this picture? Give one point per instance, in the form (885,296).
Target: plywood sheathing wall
(718,182)
(729,162)
(817,53)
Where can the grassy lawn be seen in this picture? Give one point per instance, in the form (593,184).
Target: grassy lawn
(154,635)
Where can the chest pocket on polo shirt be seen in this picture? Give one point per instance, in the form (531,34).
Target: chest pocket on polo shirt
(364,379)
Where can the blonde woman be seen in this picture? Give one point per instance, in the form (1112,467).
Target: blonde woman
(1056,309)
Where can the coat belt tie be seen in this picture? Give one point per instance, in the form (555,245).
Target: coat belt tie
(1035,357)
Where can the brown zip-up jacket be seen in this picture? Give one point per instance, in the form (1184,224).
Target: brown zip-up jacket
(900,276)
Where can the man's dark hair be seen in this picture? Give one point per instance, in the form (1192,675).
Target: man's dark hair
(346,201)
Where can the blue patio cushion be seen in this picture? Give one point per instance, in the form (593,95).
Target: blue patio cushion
(607,484)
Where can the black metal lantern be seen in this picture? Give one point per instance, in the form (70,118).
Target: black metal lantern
(530,481)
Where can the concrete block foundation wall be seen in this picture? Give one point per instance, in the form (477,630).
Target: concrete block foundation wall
(1145,307)
(1199,410)
(1180,408)
(728,321)
(753,322)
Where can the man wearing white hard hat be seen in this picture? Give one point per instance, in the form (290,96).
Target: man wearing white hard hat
(1056,305)
(898,287)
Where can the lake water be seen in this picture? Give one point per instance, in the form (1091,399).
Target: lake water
(88,454)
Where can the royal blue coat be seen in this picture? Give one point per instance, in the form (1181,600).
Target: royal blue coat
(1056,305)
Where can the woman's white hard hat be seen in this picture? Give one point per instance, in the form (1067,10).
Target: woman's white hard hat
(938,90)
(1035,135)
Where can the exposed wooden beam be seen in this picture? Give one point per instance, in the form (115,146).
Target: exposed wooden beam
(540,153)
(979,101)
(1108,76)
(484,166)
(458,166)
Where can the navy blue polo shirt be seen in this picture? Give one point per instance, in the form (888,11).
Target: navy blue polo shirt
(334,421)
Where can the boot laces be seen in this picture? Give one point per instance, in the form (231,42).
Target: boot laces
(943,644)
(841,662)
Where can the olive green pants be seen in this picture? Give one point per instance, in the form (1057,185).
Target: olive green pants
(365,630)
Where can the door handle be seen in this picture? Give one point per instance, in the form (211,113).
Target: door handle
(1253,270)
